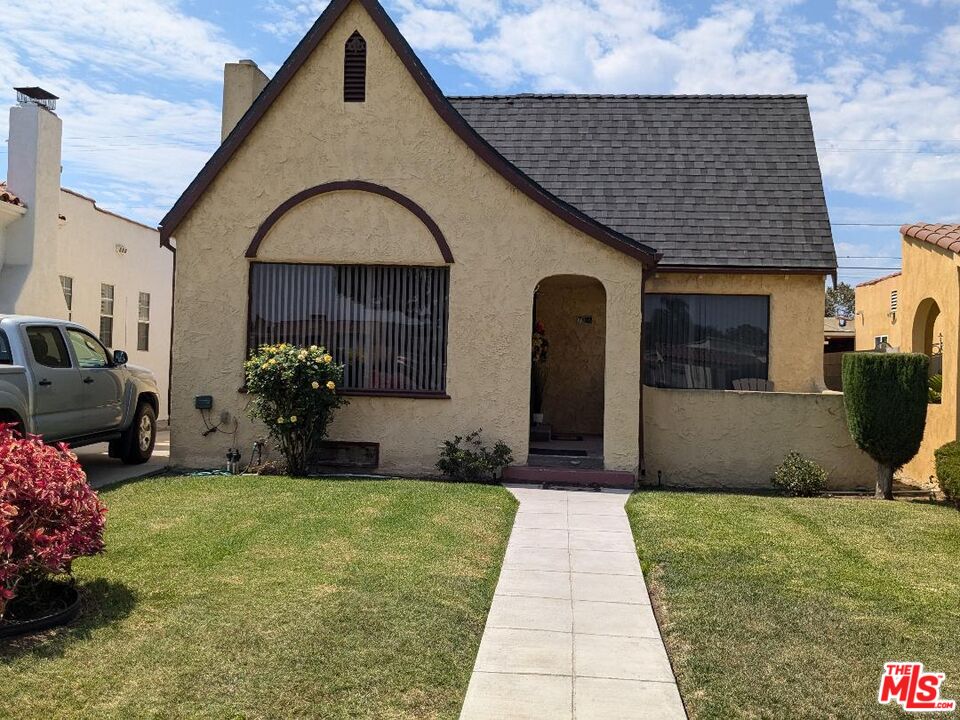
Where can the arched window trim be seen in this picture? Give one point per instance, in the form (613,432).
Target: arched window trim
(355,68)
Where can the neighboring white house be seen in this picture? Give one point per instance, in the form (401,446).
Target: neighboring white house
(62,256)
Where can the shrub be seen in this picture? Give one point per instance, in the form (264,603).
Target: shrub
(948,471)
(49,515)
(799,477)
(466,459)
(935,389)
(886,395)
(295,395)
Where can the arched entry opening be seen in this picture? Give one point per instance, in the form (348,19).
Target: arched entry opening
(567,372)
(928,339)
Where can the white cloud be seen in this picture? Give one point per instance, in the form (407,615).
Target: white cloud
(122,141)
(140,38)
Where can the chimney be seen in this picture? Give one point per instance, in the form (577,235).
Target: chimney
(29,281)
(242,83)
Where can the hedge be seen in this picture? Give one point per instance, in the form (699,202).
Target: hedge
(948,471)
(885,395)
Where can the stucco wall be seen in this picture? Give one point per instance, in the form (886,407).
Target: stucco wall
(873,317)
(709,438)
(87,242)
(930,272)
(796,318)
(573,398)
(503,245)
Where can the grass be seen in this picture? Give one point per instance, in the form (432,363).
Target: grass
(774,607)
(272,598)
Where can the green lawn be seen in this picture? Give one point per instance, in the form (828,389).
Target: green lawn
(273,598)
(787,608)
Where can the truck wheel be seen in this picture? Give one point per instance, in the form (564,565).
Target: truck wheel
(138,441)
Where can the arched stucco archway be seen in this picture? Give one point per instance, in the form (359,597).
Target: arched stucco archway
(925,339)
(571,309)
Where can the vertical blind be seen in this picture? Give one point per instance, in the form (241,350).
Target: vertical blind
(705,341)
(386,324)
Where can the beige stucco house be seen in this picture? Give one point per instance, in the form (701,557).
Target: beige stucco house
(62,256)
(673,248)
(918,310)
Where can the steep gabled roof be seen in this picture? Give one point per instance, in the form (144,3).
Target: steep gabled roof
(566,212)
(718,181)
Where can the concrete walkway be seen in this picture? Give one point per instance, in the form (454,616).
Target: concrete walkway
(571,633)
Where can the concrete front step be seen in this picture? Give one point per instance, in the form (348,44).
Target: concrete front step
(568,476)
(574,462)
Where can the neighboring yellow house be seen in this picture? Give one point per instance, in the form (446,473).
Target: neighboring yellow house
(677,243)
(916,310)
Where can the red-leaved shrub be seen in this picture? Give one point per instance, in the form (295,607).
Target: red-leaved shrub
(49,515)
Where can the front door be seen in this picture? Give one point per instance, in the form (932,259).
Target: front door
(102,383)
(57,391)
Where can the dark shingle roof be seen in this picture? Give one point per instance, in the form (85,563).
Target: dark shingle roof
(708,180)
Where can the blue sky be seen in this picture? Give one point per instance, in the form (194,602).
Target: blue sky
(140,82)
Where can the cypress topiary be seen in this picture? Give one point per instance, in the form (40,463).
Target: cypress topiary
(885,395)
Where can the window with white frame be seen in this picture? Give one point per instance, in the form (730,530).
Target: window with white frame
(143,322)
(66,284)
(106,314)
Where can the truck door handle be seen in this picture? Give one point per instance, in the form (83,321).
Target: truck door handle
(87,380)
(44,383)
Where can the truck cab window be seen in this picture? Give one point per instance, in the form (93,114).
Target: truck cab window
(48,347)
(89,352)
(6,354)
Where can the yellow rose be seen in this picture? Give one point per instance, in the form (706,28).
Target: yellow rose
(280,421)
(331,385)
(313,348)
(266,365)
(293,418)
(272,361)
(327,358)
(315,385)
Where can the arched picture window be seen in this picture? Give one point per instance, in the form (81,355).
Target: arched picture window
(355,69)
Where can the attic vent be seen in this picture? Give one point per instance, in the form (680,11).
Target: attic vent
(893,301)
(355,69)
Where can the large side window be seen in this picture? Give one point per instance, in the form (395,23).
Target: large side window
(48,346)
(705,341)
(386,324)
(89,352)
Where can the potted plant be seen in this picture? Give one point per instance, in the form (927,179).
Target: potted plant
(538,371)
(49,516)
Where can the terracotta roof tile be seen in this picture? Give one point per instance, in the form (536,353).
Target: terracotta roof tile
(942,235)
(879,279)
(8,197)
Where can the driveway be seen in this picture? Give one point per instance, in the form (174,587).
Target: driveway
(103,470)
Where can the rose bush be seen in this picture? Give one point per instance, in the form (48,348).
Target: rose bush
(49,515)
(295,395)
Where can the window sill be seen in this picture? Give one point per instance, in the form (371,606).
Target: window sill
(415,394)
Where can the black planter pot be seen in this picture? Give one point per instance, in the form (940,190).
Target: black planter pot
(45,622)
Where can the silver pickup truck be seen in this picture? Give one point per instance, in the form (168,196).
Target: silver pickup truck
(57,380)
